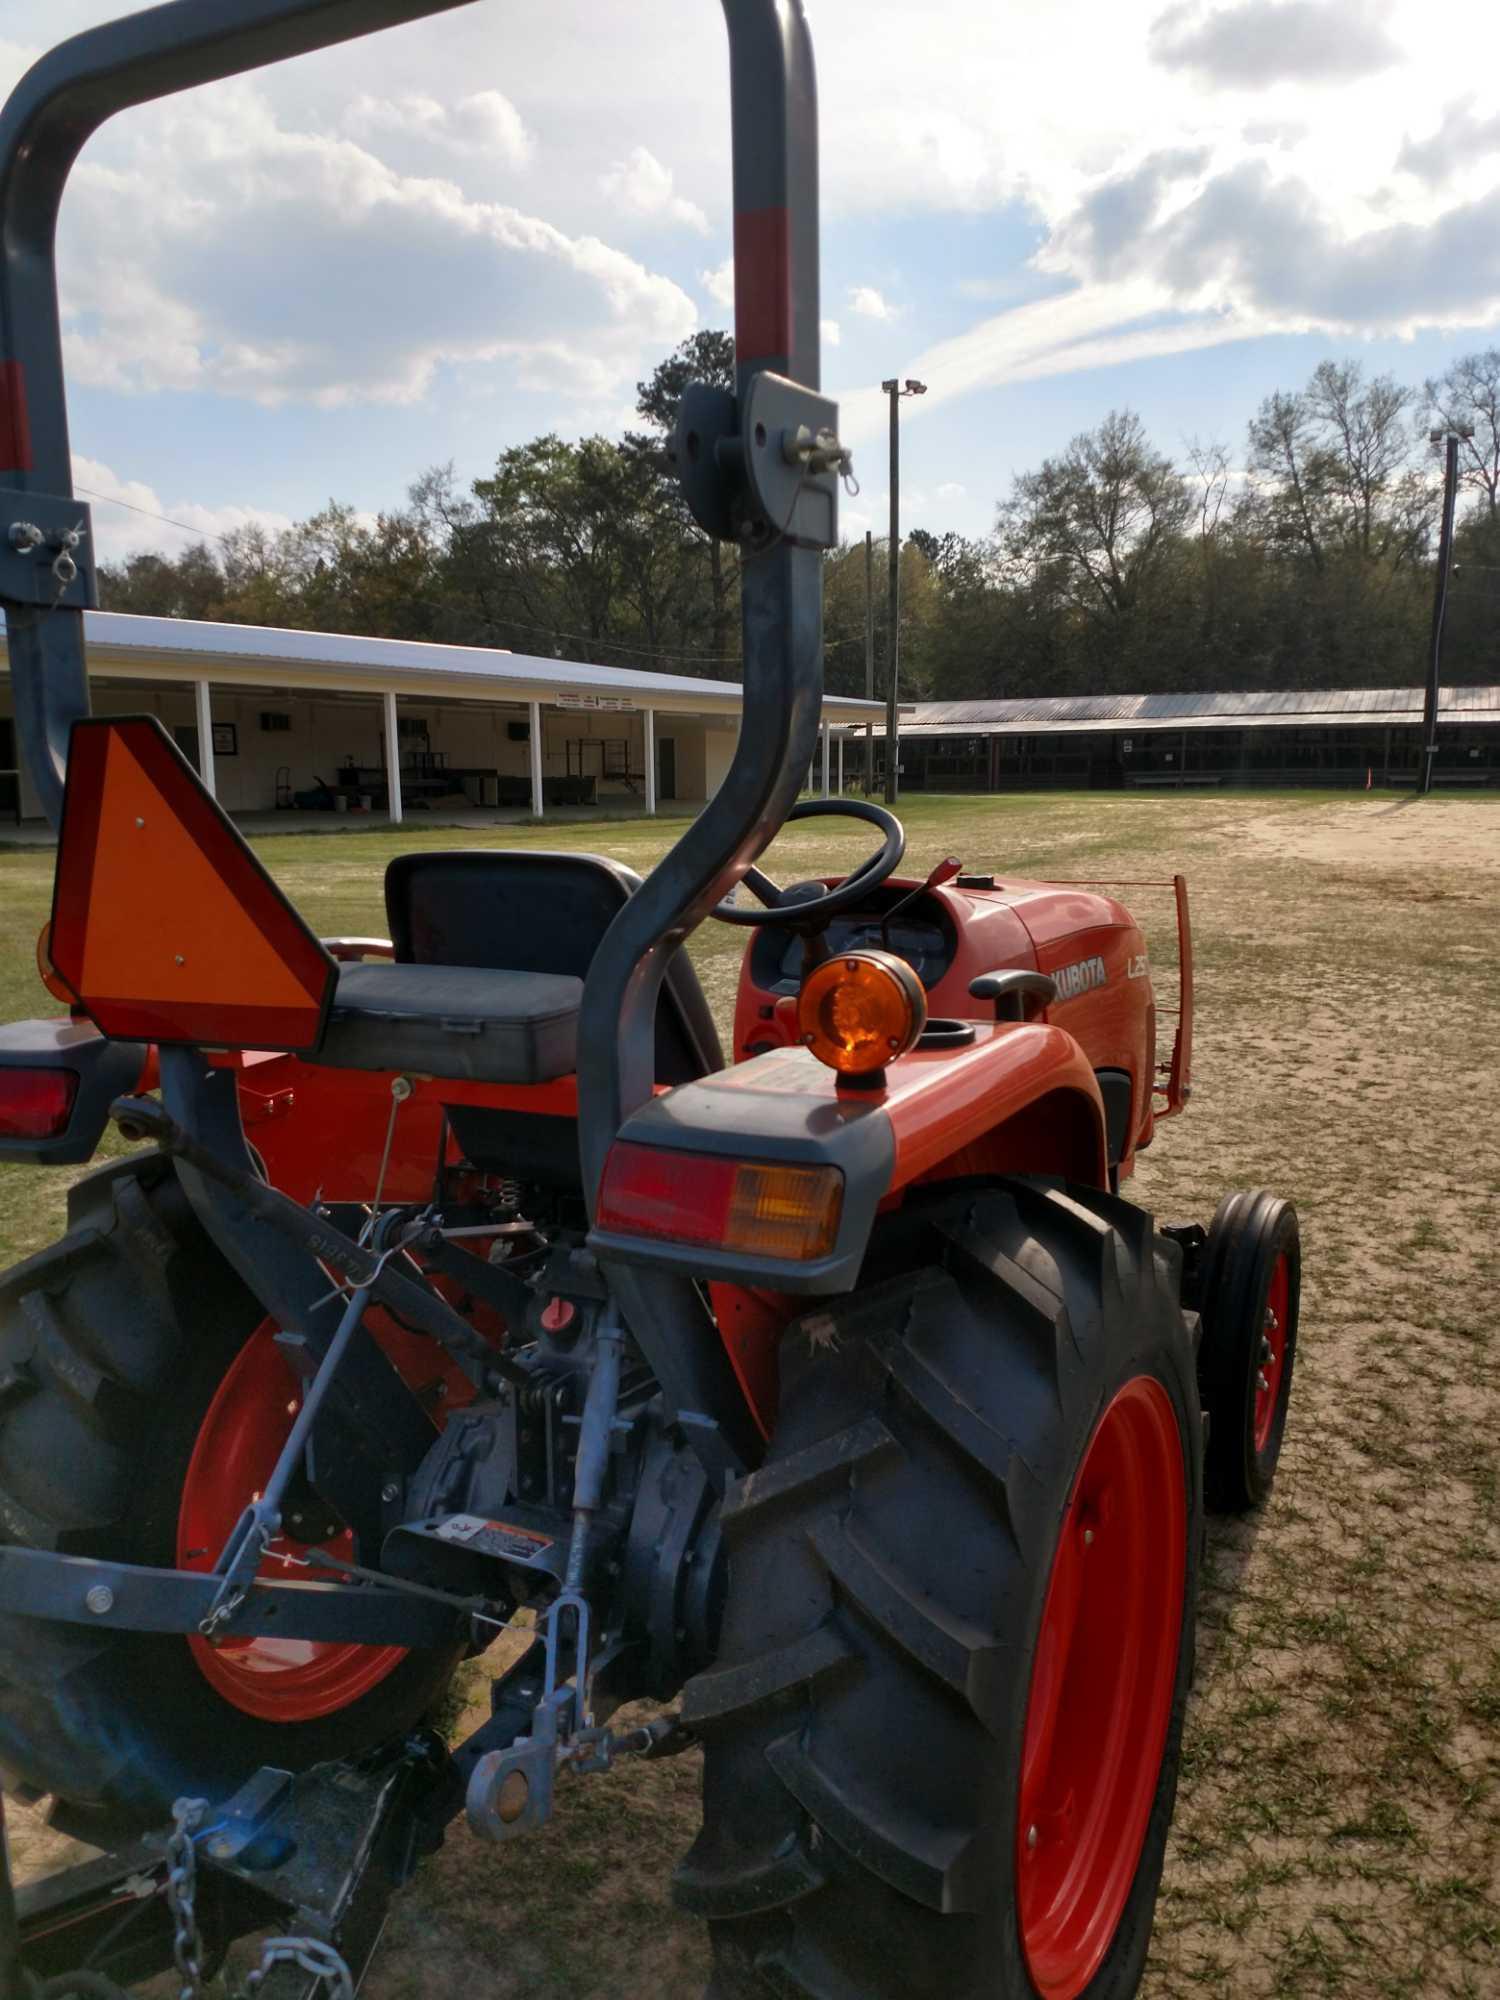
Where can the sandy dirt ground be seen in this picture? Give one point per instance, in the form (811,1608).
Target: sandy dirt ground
(1338,1826)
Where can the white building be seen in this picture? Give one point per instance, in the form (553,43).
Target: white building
(316,720)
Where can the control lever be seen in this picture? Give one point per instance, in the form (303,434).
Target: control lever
(1014,992)
(945,871)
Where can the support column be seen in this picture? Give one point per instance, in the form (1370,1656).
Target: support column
(826,732)
(534,743)
(392,761)
(841,763)
(648,720)
(205,737)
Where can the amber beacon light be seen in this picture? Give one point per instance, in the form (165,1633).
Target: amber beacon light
(861,1010)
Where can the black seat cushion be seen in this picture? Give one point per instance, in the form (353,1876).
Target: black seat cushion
(472,1022)
(534,910)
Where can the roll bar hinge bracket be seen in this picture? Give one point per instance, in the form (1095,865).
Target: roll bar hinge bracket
(773,478)
(46,551)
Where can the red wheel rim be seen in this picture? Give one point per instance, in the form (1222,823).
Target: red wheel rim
(1101,1689)
(1270,1363)
(278,1680)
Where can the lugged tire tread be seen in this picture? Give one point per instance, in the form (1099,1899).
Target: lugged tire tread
(940,1644)
(756,1883)
(924,1863)
(724,1694)
(925,1680)
(832,1462)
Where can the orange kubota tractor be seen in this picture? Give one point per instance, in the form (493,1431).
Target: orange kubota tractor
(833,1393)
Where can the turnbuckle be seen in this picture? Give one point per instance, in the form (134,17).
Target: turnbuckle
(511,1790)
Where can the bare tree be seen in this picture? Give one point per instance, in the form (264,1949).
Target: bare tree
(1209,464)
(1366,448)
(1469,394)
(1285,499)
(1102,518)
(1336,469)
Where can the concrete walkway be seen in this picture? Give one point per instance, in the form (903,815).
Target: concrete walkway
(260,825)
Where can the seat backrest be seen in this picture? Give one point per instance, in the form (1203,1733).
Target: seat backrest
(521,910)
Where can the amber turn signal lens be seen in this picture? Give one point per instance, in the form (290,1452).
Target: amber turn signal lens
(763,1208)
(44,968)
(861,1010)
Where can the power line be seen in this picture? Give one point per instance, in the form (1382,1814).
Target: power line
(111,500)
(514,624)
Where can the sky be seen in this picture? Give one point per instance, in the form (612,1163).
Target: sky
(443,239)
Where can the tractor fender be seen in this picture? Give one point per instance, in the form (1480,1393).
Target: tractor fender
(1024,1100)
(1019,1095)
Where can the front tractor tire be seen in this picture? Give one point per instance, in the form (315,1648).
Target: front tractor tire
(1249,1296)
(136,1373)
(943,1728)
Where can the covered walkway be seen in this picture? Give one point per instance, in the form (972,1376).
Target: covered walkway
(302,725)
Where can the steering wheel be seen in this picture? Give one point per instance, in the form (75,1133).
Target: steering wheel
(810,913)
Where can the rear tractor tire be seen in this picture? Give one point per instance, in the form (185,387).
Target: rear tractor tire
(134,1373)
(1249,1294)
(943,1728)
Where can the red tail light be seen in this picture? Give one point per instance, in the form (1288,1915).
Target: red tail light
(36,1103)
(758,1206)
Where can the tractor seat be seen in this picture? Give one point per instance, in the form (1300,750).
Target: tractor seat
(463,1021)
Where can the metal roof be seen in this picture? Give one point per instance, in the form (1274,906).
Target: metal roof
(140,648)
(1113,713)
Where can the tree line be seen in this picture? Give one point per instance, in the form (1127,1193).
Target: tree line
(1303,558)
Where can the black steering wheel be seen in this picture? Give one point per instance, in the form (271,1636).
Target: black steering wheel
(811,913)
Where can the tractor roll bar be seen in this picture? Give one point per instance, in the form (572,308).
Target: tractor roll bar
(55,108)
(774,114)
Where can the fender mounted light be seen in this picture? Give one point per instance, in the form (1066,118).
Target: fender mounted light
(859,1011)
(761,1207)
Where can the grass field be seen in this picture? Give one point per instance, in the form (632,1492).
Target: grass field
(1338,1828)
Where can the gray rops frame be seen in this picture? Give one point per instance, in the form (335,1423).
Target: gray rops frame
(57,106)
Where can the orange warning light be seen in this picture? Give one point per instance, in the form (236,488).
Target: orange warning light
(163,922)
(861,1010)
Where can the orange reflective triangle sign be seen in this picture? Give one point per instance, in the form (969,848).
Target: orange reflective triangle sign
(164,923)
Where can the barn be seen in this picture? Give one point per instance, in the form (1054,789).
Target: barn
(1333,737)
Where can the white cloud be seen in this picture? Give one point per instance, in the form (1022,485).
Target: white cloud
(486,125)
(719,284)
(1093,326)
(1252,43)
(308,253)
(640,186)
(230,252)
(829,328)
(1465,139)
(869,303)
(952,489)
(129,515)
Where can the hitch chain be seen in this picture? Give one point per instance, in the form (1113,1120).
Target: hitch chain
(314,1955)
(187,1941)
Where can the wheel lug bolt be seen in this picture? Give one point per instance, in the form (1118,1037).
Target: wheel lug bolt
(1262,1379)
(1031,1839)
(1266,1350)
(1271,1320)
(1088,1538)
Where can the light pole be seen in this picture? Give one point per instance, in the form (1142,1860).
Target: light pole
(895,390)
(869,657)
(1448,437)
